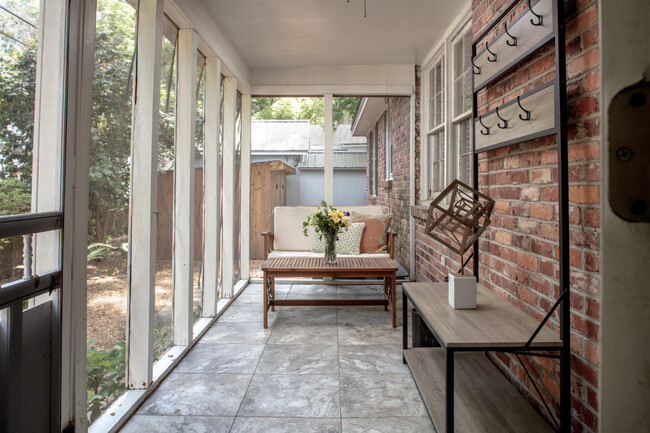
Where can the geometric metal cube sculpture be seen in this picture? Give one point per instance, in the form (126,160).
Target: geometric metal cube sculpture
(461,221)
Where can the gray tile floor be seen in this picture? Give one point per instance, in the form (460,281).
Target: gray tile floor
(315,369)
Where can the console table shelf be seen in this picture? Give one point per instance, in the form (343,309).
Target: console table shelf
(461,388)
(484,399)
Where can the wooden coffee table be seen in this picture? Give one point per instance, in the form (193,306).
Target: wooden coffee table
(381,267)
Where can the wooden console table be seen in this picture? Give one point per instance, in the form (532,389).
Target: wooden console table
(483,399)
(381,267)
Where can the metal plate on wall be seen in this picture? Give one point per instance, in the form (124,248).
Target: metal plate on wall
(629,153)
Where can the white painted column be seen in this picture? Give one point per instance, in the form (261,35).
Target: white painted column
(229,137)
(245,187)
(143,217)
(184,173)
(328,157)
(49,118)
(80,61)
(211,193)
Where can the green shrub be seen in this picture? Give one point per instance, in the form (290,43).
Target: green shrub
(106,372)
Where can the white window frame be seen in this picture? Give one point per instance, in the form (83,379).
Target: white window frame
(443,54)
(388,138)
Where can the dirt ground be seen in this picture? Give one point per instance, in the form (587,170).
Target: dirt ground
(106,323)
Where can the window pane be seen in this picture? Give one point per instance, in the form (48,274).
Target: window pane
(462,75)
(437,157)
(108,203)
(18,47)
(463,133)
(165,235)
(436,95)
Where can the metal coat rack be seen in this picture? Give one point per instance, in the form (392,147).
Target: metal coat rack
(532,115)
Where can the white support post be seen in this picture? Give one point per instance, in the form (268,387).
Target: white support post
(412,197)
(80,61)
(229,137)
(245,187)
(143,210)
(184,173)
(328,171)
(49,118)
(211,193)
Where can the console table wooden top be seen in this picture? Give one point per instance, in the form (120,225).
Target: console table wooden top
(495,323)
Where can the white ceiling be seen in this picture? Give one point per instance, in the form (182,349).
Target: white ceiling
(297,33)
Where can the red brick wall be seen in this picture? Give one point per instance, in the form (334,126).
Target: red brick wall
(519,252)
(393,195)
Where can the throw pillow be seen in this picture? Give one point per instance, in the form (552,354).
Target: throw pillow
(374,236)
(348,242)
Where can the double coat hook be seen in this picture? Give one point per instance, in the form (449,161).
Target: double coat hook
(487,130)
(513,41)
(505,122)
(523,109)
(494,55)
(539,17)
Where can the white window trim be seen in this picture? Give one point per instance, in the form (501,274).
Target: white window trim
(388,139)
(442,51)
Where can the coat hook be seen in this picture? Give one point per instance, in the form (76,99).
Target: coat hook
(523,109)
(494,55)
(512,42)
(487,130)
(540,18)
(476,69)
(505,122)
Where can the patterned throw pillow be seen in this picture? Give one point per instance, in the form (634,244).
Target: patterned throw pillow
(348,242)
(374,236)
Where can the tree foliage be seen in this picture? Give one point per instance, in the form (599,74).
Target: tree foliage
(312,109)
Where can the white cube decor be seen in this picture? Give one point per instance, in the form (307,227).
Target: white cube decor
(462,291)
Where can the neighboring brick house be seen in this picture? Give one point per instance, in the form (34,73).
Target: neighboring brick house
(519,251)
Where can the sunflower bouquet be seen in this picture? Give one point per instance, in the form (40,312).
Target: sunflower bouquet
(327,220)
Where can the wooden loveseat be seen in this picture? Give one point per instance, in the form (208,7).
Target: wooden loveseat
(287,238)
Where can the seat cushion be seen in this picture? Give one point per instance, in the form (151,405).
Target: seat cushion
(280,254)
(287,225)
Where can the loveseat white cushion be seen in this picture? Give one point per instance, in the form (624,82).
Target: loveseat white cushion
(288,232)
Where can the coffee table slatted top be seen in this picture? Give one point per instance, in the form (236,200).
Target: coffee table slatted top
(318,263)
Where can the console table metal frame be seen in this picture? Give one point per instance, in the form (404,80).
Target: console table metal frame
(495,325)
(381,267)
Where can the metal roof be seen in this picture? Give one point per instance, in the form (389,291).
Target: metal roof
(341,160)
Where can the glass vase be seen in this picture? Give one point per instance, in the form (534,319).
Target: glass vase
(330,248)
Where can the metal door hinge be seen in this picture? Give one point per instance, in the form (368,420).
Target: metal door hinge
(629,153)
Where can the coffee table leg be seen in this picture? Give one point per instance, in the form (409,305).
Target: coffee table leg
(386,291)
(266,300)
(393,291)
(273,293)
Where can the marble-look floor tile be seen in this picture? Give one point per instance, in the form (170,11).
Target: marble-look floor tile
(369,333)
(221,358)
(197,394)
(292,395)
(312,291)
(367,314)
(360,291)
(371,359)
(304,333)
(293,359)
(286,425)
(184,424)
(307,314)
(380,395)
(420,424)
(224,332)
(248,313)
